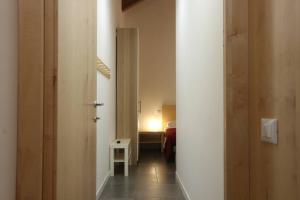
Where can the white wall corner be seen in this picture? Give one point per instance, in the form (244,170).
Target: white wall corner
(183,189)
(102,186)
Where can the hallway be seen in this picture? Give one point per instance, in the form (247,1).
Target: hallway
(154,178)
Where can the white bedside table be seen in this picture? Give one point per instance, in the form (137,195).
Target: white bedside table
(124,156)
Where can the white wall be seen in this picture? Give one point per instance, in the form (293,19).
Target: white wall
(8,98)
(199,69)
(156,23)
(109,12)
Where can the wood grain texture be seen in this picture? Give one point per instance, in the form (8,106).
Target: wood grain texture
(76,89)
(126,4)
(30,100)
(274,82)
(57,88)
(127,87)
(50,103)
(236,98)
(92,97)
(297,42)
(298,107)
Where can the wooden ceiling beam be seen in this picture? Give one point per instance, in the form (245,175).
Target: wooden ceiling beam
(126,4)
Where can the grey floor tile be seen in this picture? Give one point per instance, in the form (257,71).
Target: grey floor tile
(152,179)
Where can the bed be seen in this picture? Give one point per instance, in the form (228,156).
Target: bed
(169,125)
(170,144)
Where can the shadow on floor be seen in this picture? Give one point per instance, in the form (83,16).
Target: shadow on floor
(153,179)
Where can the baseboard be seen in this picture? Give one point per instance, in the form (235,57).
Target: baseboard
(101,188)
(184,191)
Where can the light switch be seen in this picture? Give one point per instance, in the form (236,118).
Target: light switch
(269,131)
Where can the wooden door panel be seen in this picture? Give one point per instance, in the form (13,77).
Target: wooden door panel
(127,86)
(76,159)
(92,91)
(57,86)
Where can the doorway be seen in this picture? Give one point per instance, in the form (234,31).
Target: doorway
(146,101)
(154,91)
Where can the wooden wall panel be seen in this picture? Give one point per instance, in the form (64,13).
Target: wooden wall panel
(30,100)
(236,92)
(298,103)
(50,104)
(274,63)
(298,112)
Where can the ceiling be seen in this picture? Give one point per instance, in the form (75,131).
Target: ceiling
(128,3)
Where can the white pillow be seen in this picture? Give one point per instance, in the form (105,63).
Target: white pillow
(171,124)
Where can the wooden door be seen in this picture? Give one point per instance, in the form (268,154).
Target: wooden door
(57,88)
(127,87)
(76,92)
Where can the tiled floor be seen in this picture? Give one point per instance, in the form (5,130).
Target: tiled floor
(152,179)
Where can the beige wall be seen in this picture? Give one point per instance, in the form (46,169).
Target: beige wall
(8,98)
(156,23)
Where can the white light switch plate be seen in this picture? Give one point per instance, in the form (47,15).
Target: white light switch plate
(269,131)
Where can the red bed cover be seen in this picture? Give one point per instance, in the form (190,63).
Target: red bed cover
(170,144)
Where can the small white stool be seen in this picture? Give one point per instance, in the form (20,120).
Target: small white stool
(120,157)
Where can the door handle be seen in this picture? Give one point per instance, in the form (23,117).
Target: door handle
(98,104)
(96,119)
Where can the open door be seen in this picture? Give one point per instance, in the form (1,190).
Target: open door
(57,90)
(76,93)
(127,87)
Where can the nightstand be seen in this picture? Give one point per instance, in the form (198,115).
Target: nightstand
(151,140)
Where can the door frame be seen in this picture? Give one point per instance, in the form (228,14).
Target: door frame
(36,146)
